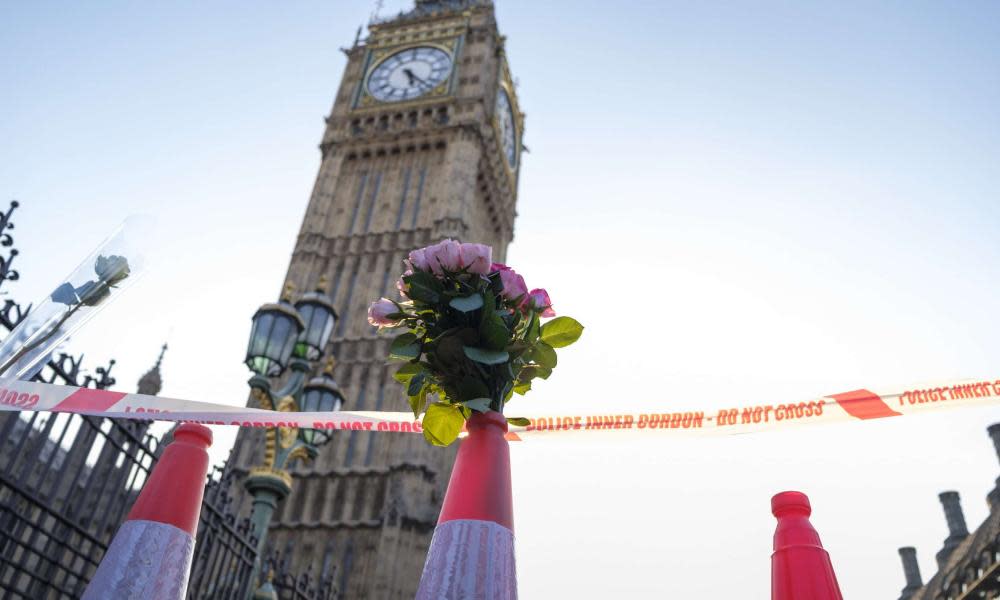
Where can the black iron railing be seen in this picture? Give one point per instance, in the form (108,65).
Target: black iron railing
(67,482)
(303,586)
(226,549)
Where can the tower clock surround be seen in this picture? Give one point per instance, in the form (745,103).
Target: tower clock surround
(409,73)
(507,126)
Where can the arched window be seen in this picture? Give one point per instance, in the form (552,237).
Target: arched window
(346,569)
(328,555)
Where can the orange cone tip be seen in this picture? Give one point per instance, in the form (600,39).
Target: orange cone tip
(800,567)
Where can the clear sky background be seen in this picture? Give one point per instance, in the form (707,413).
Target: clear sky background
(744,203)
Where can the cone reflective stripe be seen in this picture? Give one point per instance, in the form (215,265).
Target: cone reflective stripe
(150,556)
(800,567)
(472,551)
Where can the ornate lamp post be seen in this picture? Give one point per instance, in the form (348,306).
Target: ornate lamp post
(286,337)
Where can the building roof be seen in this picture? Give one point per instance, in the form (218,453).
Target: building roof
(431,8)
(971,570)
(966,559)
(151,382)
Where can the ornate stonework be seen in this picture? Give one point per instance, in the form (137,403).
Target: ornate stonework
(395,175)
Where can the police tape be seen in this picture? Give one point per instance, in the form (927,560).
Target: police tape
(860,404)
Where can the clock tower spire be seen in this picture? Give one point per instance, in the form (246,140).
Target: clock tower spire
(423,142)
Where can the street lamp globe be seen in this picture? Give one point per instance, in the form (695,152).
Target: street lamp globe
(319,317)
(276,327)
(321,394)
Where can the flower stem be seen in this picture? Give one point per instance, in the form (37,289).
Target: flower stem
(32,346)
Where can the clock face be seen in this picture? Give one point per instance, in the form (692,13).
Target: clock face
(508,129)
(409,74)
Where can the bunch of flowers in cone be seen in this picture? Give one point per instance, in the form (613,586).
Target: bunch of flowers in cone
(474,335)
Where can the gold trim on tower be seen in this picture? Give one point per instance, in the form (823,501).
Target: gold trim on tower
(505,83)
(271,473)
(380,55)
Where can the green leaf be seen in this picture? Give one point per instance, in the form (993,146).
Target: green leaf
(478,404)
(516,347)
(561,332)
(486,357)
(406,347)
(532,371)
(65,294)
(495,286)
(523,387)
(418,401)
(519,421)
(416,384)
(406,372)
(472,387)
(545,355)
(442,334)
(468,303)
(442,423)
(404,338)
(511,373)
(531,336)
(468,335)
(493,333)
(449,350)
(424,287)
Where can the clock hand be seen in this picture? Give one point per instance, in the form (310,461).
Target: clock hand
(409,75)
(412,77)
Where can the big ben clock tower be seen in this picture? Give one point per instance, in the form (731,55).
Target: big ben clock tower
(423,143)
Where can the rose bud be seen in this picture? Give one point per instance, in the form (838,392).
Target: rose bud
(379,311)
(538,299)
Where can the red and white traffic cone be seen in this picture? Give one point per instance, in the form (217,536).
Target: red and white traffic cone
(472,551)
(800,567)
(150,556)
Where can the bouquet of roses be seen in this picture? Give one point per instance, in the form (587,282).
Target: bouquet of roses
(474,335)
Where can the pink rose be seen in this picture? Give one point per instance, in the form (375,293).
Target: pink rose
(538,299)
(379,311)
(445,255)
(477,258)
(418,260)
(513,284)
(497,267)
(401,285)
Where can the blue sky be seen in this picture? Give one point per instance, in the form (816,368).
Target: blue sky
(751,202)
